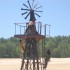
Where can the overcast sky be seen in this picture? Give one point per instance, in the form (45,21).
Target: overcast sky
(55,12)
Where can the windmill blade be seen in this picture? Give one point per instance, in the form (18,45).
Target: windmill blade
(38,7)
(24,13)
(37,15)
(32,3)
(35,5)
(29,4)
(27,15)
(25,5)
(38,11)
(25,9)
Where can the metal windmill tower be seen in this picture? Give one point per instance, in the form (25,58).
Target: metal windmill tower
(32,42)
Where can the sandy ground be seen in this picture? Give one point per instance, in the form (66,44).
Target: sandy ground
(54,64)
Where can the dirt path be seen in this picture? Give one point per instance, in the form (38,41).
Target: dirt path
(54,64)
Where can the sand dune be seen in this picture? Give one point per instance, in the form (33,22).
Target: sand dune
(54,64)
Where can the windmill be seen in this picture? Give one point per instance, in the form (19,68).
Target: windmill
(33,50)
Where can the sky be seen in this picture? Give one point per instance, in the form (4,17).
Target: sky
(55,13)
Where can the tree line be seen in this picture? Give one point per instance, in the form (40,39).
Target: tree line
(59,46)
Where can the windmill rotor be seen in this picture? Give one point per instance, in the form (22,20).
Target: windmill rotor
(38,7)
(27,15)
(29,4)
(24,13)
(35,5)
(25,5)
(37,11)
(25,9)
(31,10)
(37,15)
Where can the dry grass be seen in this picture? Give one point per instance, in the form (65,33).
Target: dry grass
(54,64)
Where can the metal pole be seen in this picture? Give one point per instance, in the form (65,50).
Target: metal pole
(20,29)
(40,27)
(42,47)
(45,29)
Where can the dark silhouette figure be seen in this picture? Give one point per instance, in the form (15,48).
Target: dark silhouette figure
(47,58)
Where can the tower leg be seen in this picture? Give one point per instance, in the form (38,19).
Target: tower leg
(37,65)
(22,64)
(27,64)
(33,64)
